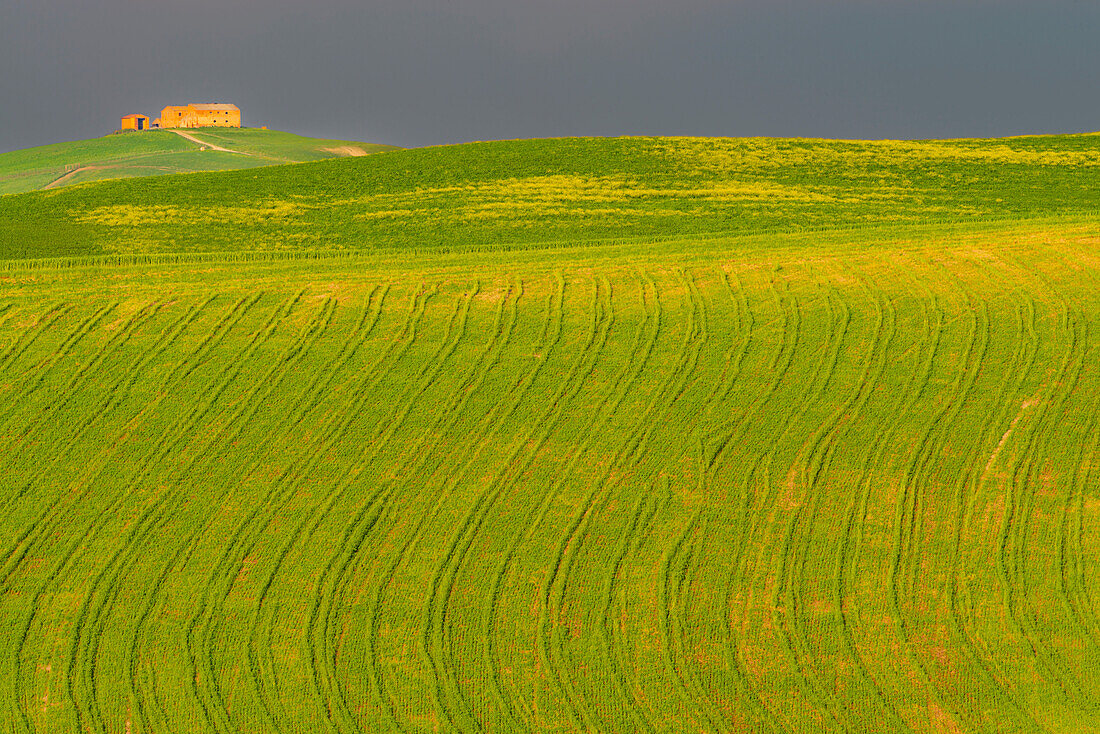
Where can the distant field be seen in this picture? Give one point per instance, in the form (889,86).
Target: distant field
(540,193)
(578,471)
(157,152)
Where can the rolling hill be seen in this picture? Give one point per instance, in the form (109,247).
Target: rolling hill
(540,193)
(158,152)
(617,435)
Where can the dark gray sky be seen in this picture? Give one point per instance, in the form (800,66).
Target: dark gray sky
(421,72)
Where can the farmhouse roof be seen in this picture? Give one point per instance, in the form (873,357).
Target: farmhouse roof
(216,107)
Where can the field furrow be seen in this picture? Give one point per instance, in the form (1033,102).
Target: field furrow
(764,491)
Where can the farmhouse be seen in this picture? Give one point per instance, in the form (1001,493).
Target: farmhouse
(200,115)
(135,122)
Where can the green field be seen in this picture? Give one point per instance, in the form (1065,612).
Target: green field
(627,435)
(541,193)
(157,152)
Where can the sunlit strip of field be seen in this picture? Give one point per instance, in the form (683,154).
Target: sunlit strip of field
(680,490)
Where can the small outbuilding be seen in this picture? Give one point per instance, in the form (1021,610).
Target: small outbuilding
(135,122)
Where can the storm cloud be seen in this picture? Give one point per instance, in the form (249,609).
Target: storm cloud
(421,72)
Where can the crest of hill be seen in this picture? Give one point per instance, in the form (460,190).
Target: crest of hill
(159,152)
(564,192)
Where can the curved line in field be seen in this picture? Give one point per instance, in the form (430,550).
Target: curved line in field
(233,427)
(351,549)
(415,468)
(261,675)
(770,497)
(818,452)
(612,643)
(784,599)
(1011,559)
(199,629)
(732,433)
(1072,586)
(434,611)
(966,497)
(611,634)
(673,601)
(669,393)
(111,576)
(645,337)
(548,342)
(29,336)
(525,452)
(38,376)
(1081,596)
(849,547)
(18,548)
(65,394)
(83,649)
(554,592)
(59,449)
(20,545)
(908,508)
(71,550)
(473,442)
(372,547)
(711,459)
(373,509)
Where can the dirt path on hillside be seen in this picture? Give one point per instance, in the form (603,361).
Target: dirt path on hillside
(211,146)
(347,150)
(60,180)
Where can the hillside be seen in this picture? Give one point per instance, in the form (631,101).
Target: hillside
(158,152)
(627,435)
(564,192)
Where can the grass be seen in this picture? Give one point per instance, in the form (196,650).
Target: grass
(158,152)
(542,192)
(745,479)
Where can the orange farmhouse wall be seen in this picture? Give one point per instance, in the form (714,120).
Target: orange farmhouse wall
(188,116)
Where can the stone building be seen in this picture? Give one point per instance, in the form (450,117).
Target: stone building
(135,122)
(199,115)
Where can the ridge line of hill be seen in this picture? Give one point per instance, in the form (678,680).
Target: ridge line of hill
(159,152)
